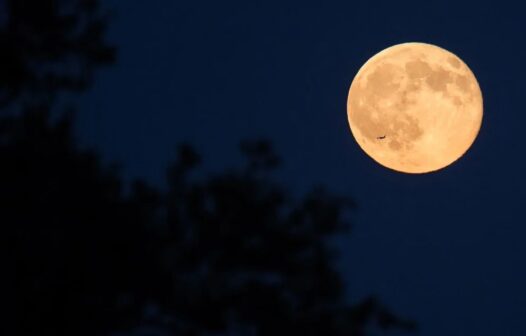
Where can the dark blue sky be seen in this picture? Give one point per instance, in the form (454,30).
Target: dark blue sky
(445,248)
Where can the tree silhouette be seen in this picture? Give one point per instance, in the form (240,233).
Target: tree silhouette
(72,240)
(245,257)
(50,46)
(224,254)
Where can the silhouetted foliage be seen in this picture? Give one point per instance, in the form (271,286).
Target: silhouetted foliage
(229,254)
(50,46)
(247,259)
(75,245)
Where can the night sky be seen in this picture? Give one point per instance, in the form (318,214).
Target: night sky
(446,248)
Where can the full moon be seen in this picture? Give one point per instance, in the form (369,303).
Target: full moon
(415,107)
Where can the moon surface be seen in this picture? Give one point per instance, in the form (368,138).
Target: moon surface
(415,107)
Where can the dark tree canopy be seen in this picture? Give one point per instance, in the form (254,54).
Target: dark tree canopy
(224,254)
(50,46)
(74,244)
(246,257)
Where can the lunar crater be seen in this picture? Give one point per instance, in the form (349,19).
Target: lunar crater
(455,63)
(384,81)
(438,79)
(417,69)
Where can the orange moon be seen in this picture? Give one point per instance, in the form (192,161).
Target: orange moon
(415,107)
